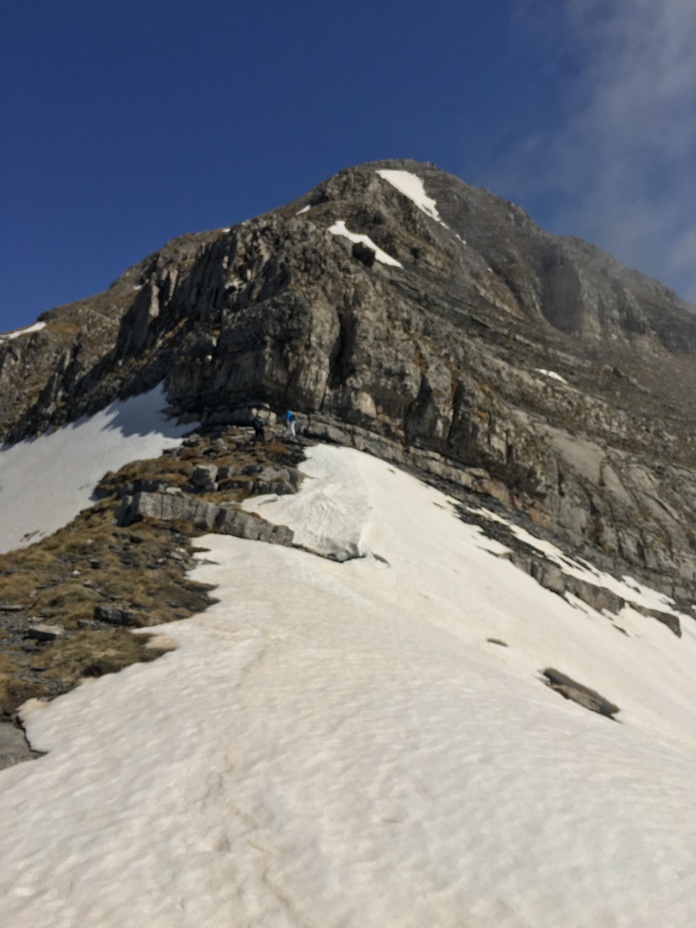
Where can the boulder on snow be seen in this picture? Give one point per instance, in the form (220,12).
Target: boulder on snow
(582,695)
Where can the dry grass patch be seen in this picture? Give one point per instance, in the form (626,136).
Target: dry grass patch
(98,580)
(92,653)
(63,579)
(15,687)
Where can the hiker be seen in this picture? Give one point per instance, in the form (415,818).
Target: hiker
(259,427)
(290,422)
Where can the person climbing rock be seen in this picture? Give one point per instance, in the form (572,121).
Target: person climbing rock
(290,422)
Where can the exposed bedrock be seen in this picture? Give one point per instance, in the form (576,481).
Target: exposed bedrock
(484,353)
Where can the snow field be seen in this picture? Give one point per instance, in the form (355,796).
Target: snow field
(45,481)
(336,744)
(442,569)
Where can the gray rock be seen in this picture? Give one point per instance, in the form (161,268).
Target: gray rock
(168,507)
(548,575)
(203,515)
(667,618)
(364,253)
(577,692)
(278,480)
(115,615)
(204,477)
(13,746)
(44,632)
(249,525)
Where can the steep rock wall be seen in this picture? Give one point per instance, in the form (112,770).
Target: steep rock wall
(562,382)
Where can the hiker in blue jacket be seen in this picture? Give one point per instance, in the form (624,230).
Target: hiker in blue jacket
(290,422)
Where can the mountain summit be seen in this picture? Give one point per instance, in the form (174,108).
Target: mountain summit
(369,703)
(408,313)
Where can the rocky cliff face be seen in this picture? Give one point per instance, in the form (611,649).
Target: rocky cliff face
(408,313)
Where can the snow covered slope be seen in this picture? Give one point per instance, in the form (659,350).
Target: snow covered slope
(46,481)
(338,744)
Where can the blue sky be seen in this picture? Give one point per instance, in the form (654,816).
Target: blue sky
(126,124)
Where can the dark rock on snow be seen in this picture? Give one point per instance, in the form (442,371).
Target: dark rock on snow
(13,746)
(583,695)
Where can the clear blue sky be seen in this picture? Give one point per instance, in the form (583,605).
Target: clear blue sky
(128,123)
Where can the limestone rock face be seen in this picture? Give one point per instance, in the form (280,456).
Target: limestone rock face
(459,339)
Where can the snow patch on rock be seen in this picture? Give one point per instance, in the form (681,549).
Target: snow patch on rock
(36,327)
(552,375)
(45,481)
(339,228)
(413,187)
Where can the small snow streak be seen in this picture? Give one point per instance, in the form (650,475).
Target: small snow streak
(339,228)
(27,331)
(552,374)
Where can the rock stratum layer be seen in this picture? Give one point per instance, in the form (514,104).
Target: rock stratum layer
(407,313)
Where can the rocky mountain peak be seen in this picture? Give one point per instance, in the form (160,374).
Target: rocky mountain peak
(403,311)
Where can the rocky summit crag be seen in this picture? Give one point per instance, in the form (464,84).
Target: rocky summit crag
(442,330)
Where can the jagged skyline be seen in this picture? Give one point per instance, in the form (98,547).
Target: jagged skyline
(427,658)
(130,126)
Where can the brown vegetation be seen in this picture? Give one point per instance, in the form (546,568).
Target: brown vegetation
(95,580)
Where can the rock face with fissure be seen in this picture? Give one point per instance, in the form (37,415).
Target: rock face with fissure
(527,367)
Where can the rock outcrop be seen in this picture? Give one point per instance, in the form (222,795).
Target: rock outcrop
(207,517)
(13,746)
(443,329)
(577,692)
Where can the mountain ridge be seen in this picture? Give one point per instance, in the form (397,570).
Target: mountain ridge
(486,352)
(273,679)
